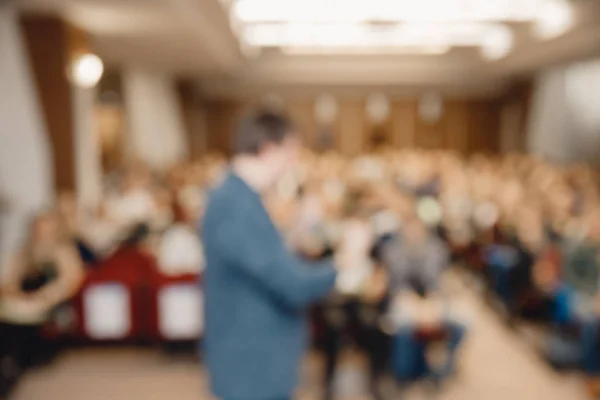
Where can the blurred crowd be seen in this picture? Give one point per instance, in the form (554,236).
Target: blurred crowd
(399,219)
(528,229)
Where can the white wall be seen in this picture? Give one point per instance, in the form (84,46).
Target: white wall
(510,127)
(26,176)
(155,120)
(88,158)
(565,118)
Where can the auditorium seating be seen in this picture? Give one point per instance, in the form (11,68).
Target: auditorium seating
(177,307)
(126,299)
(112,304)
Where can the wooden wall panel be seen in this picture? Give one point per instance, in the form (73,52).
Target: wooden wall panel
(48,44)
(513,117)
(430,135)
(221,120)
(484,127)
(110,120)
(380,133)
(457,126)
(188,110)
(110,125)
(404,121)
(351,128)
(466,125)
(303,115)
(219,128)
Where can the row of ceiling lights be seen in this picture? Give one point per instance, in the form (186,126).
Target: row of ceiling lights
(394,26)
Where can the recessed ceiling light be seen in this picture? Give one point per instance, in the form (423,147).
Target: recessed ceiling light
(554,19)
(366,50)
(497,43)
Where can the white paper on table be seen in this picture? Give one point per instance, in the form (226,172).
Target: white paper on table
(107,311)
(181,311)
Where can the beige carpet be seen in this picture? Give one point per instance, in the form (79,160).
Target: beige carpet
(495,364)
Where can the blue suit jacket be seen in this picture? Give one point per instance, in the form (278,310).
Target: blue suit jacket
(256,295)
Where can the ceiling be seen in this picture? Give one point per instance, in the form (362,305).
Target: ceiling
(186,37)
(193,38)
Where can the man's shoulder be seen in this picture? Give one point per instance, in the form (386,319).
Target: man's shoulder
(221,195)
(226,201)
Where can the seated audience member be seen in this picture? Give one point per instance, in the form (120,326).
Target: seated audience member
(456,225)
(577,299)
(39,280)
(534,258)
(511,263)
(216,167)
(102,232)
(180,251)
(190,195)
(355,310)
(368,168)
(47,270)
(415,263)
(311,227)
(133,203)
(419,176)
(164,210)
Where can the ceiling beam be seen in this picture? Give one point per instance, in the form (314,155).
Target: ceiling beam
(579,45)
(208,22)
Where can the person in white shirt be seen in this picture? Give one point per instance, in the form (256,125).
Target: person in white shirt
(134,204)
(101,232)
(180,251)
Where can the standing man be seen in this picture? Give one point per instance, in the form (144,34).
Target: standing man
(256,290)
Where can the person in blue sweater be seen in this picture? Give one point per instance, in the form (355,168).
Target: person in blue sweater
(257,292)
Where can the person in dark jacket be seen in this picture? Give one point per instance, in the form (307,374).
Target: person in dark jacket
(257,292)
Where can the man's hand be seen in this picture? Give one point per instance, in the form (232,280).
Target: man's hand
(376,287)
(352,256)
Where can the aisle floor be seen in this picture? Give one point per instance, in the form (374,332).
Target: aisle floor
(496,363)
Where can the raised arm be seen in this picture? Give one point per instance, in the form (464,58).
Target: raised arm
(254,249)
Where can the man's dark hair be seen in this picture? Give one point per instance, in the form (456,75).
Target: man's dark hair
(258,129)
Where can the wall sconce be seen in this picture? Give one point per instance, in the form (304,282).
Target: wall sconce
(555,18)
(377,108)
(497,43)
(86,70)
